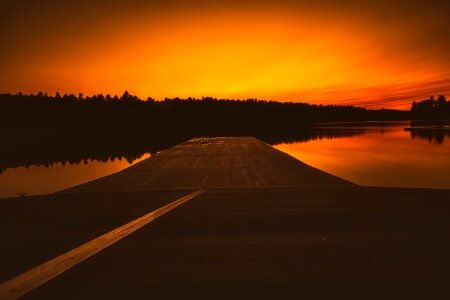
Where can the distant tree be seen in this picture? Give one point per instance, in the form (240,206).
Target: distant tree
(100,97)
(441,102)
(126,96)
(431,108)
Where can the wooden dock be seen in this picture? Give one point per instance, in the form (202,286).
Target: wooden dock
(226,218)
(212,163)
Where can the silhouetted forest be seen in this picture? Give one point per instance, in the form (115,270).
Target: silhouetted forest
(181,114)
(431,119)
(431,109)
(39,117)
(43,129)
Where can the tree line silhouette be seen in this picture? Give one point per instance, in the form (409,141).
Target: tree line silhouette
(37,119)
(431,109)
(207,112)
(43,129)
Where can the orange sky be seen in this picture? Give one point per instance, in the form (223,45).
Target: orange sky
(376,55)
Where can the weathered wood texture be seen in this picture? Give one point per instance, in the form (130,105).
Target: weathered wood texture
(268,226)
(345,242)
(38,228)
(214,162)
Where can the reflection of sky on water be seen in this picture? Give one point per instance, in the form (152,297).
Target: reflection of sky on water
(373,155)
(40,179)
(388,158)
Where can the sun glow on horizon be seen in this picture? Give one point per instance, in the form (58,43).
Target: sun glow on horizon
(273,55)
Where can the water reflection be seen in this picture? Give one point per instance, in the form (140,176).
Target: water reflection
(73,152)
(313,134)
(392,158)
(130,150)
(368,154)
(32,180)
(53,168)
(432,135)
(433,131)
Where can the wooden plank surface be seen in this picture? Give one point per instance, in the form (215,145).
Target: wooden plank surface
(214,162)
(37,276)
(342,242)
(38,228)
(268,226)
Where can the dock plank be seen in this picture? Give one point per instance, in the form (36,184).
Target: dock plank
(37,228)
(268,226)
(214,162)
(334,242)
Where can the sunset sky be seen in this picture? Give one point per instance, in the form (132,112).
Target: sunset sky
(369,53)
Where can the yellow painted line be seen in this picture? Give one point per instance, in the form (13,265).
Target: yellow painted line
(26,282)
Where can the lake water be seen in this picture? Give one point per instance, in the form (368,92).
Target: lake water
(364,154)
(41,179)
(381,156)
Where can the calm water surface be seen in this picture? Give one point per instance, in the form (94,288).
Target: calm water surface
(370,155)
(382,156)
(41,180)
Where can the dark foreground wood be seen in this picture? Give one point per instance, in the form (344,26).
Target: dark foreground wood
(330,241)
